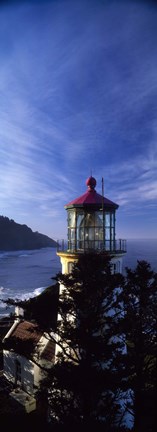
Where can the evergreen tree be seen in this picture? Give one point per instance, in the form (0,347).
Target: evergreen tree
(100,313)
(140,327)
(84,384)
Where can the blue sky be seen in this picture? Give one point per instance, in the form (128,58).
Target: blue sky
(78,94)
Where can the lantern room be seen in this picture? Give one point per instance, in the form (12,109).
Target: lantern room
(91,222)
(91,226)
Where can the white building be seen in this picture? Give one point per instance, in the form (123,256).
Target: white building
(25,371)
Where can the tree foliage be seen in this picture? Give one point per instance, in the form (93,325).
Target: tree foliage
(42,308)
(106,333)
(84,385)
(140,327)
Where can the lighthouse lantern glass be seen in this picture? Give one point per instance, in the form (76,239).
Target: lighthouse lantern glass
(89,229)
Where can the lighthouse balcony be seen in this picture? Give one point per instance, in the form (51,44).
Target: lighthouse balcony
(112,247)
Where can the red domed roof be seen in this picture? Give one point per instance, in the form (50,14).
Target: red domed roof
(91,182)
(92,198)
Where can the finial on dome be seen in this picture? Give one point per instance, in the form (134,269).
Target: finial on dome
(91,183)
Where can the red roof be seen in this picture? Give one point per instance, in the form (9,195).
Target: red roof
(49,351)
(91,197)
(25,331)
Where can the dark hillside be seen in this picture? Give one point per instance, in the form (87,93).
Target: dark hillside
(14,236)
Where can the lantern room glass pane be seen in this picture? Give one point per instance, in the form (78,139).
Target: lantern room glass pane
(89,219)
(107,234)
(80,218)
(72,234)
(80,238)
(99,218)
(71,219)
(112,219)
(98,233)
(88,229)
(107,219)
(89,233)
(112,233)
(89,238)
(71,239)
(80,233)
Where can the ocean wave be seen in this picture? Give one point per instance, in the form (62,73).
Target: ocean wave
(22,279)
(3,255)
(3,305)
(27,296)
(15,253)
(38,291)
(4,292)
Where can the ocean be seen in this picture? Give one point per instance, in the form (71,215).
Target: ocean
(25,274)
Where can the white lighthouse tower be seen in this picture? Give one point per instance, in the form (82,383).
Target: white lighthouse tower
(91,222)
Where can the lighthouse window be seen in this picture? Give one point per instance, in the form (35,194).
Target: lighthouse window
(80,217)
(112,233)
(107,232)
(80,233)
(107,219)
(90,219)
(71,219)
(99,218)
(72,234)
(91,229)
(112,219)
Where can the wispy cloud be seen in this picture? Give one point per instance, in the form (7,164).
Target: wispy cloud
(78,88)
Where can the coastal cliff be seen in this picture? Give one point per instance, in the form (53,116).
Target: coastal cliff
(14,236)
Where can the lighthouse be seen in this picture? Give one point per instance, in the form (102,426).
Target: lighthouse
(91,227)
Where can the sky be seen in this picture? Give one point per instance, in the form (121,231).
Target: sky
(78,96)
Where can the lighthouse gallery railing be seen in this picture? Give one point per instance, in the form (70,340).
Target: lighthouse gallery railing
(114,247)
